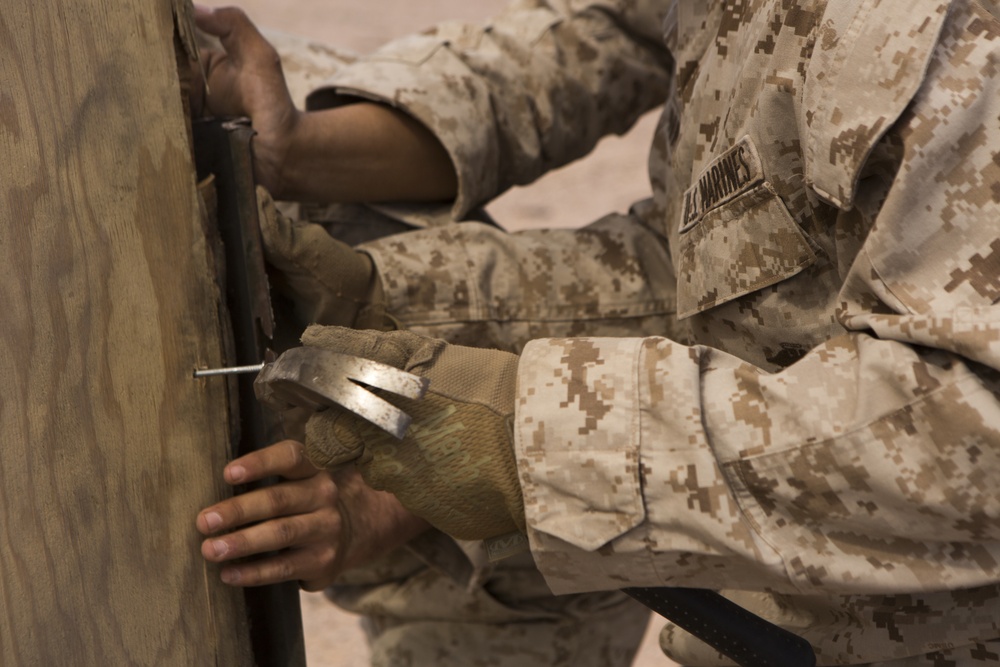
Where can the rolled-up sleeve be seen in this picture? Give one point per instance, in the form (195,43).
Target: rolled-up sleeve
(534,89)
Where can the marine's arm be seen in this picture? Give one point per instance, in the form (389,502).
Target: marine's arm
(868,466)
(865,467)
(359,152)
(474,284)
(499,104)
(599,67)
(532,90)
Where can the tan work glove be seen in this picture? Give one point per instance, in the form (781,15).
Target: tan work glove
(328,281)
(455,466)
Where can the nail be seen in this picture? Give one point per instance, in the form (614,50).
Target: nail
(230,576)
(213,520)
(237,474)
(221,548)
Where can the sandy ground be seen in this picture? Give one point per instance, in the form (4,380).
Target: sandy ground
(610,179)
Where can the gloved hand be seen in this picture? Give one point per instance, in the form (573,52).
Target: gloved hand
(328,281)
(455,467)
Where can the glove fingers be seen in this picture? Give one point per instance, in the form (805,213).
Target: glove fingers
(395,348)
(333,439)
(328,281)
(278,233)
(298,247)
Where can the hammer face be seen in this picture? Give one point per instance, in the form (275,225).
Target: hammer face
(316,379)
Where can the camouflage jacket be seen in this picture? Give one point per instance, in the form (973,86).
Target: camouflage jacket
(779,374)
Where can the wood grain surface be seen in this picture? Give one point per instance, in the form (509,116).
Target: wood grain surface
(108,447)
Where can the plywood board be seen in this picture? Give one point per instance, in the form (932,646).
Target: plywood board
(108,447)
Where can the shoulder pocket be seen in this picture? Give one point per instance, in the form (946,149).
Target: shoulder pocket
(746,244)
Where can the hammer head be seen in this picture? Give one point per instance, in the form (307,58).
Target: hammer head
(314,378)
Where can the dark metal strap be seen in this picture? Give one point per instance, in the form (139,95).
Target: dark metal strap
(223,150)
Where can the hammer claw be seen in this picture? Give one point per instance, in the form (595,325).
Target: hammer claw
(316,379)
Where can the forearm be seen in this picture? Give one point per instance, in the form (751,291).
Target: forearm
(356,152)
(362,152)
(532,91)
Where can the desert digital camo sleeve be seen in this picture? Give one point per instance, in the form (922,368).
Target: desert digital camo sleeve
(790,374)
(829,436)
(532,90)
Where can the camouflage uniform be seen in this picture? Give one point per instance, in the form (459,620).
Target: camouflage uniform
(779,375)
(440,602)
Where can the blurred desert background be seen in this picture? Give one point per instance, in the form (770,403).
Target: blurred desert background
(609,179)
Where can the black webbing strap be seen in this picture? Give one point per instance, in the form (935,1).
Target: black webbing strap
(730,629)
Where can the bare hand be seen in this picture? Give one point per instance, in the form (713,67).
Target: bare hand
(360,152)
(245,79)
(318,523)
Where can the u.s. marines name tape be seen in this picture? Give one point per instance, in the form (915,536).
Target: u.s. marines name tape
(736,171)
